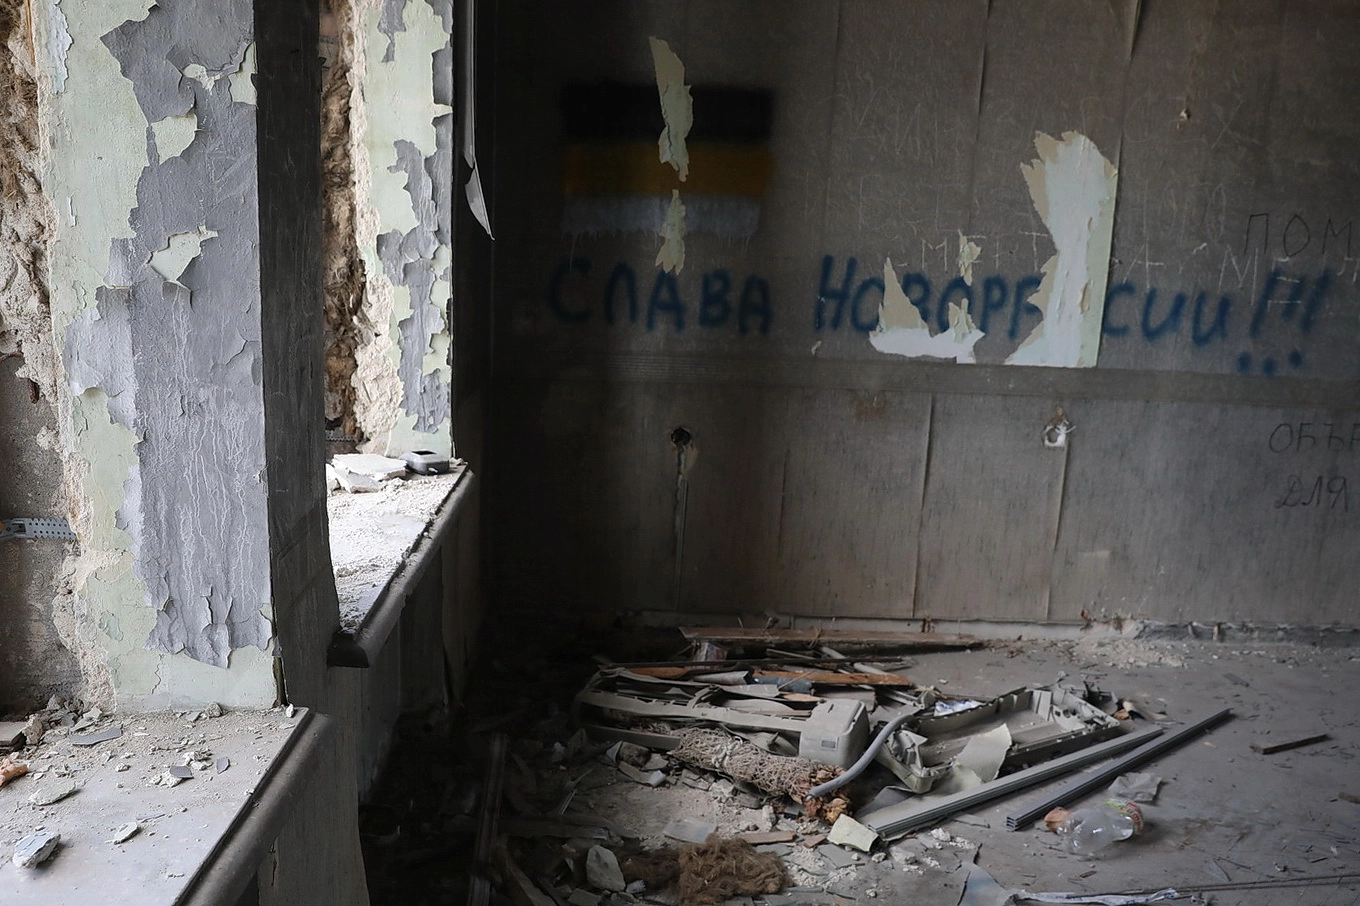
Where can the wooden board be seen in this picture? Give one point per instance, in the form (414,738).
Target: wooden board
(843,637)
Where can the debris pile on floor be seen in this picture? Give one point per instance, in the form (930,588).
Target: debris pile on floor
(780,768)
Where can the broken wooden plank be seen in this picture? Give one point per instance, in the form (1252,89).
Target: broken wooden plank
(833,678)
(762,838)
(523,891)
(842,637)
(479,884)
(1286,746)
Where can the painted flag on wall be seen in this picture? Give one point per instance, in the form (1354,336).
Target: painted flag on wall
(614,181)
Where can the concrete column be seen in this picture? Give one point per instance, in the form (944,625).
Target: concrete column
(402,134)
(159,270)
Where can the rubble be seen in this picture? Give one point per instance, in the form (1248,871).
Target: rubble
(602,870)
(35,849)
(126,832)
(682,754)
(849,832)
(51,793)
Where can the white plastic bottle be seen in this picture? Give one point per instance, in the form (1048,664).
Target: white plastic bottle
(1089,830)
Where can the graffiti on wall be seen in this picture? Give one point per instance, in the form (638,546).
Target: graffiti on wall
(850,298)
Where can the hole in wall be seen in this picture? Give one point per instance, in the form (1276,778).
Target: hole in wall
(681,437)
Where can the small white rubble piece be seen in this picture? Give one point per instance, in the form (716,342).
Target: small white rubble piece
(368,465)
(198,760)
(166,778)
(353,483)
(126,832)
(849,832)
(94,739)
(689,830)
(36,849)
(213,710)
(602,870)
(49,793)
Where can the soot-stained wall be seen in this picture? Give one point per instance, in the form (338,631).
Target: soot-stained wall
(961,230)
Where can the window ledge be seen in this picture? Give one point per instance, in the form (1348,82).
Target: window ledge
(358,643)
(200,842)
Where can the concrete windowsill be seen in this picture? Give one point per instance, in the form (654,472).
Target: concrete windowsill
(200,842)
(372,604)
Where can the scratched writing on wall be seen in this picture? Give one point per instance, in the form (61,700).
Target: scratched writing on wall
(1319,488)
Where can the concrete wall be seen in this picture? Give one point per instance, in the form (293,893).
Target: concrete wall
(981,220)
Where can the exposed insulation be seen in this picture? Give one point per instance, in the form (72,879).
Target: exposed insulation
(342,265)
(776,774)
(26,216)
(712,872)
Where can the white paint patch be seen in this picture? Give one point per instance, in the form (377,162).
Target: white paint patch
(183,248)
(969,252)
(200,73)
(58,44)
(174,133)
(243,79)
(677,107)
(902,331)
(671,257)
(1073,189)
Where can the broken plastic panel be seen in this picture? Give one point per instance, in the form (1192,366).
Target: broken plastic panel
(1044,722)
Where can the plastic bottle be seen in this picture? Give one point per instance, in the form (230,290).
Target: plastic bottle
(1089,830)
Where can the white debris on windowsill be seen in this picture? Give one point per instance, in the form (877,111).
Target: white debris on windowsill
(95,810)
(372,534)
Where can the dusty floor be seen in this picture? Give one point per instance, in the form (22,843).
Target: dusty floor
(1226,821)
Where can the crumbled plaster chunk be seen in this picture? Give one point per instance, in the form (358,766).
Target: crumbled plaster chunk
(49,793)
(36,849)
(126,832)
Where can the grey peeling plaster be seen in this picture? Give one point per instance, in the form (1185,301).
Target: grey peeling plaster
(196,505)
(409,260)
(390,22)
(393,20)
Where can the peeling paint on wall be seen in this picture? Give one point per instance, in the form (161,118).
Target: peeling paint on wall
(902,331)
(969,252)
(671,257)
(676,106)
(157,311)
(403,144)
(180,249)
(58,44)
(1073,189)
(173,134)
